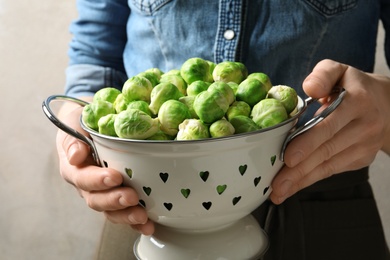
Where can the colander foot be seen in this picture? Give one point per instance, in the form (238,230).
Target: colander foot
(243,239)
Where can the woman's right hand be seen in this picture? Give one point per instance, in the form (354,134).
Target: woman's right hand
(100,187)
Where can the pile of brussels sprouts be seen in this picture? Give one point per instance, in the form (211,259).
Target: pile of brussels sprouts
(200,100)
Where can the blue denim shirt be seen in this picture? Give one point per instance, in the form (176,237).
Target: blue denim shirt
(116,39)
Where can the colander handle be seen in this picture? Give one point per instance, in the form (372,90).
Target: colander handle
(51,116)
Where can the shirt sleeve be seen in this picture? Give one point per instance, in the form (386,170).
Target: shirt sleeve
(385,17)
(96,49)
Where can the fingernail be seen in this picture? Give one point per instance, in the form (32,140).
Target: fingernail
(123,202)
(109,182)
(135,220)
(71,151)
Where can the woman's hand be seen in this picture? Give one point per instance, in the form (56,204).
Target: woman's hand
(100,187)
(348,139)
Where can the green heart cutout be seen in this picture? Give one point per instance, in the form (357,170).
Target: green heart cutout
(221,188)
(257,180)
(273,160)
(204,175)
(242,169)
(147,190)
(129,172)
(185,192)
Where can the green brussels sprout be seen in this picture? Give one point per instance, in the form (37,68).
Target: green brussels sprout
(155,71)
(106,125)
(243,124)
(263,78)
(172,72)
(243,69)
(137,88)
(106,94)
(176,80)
(268,112)
(161,93)
(251,91)
(210,106)
(120,103)
(135,124)
(238,108)
(152,77)
(229,71)
(94,111)
(224,89)
(140,105)
(195,69)
(221,128)
(189,102)
(196,87)
(234,86)
(192,129)
(285,94)
(160,136)
(171,114)
(211,66)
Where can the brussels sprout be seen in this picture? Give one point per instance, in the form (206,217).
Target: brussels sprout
(155,71)
(196,87)
(229,71)
(140,105)
(94,111)
(268,112)
(224,89)
(152,77)
(135,124)
(189,102)
(171,114)
(171,72)
(137,88)
(285,94)
(210,106)
(106,125)
(106,94)
(238,108)
(251,91)
(221,128)
(195,69)
(192,129)
(160,136)
(176,80)
(234,86)
(263,78)
(243,124)
(161,93)
(243,69)
(120,103)
(211,66)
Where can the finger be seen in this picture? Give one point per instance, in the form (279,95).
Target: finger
(132,215)
(147,229)
(113,199)
(325,75)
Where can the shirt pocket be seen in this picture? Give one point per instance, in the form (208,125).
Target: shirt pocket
(148,7)
(331,7)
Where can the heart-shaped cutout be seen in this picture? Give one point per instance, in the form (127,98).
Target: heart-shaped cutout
(185,192)
(168,206)
(147,190)
(164,176)
(142,203)
(242,169)
(105,164)
(265,190)
(273,160)
(221,188)
(207,205)
(204,175)
(236,200)
(257,180)
(129,172)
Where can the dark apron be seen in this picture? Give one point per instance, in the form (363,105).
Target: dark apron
(336,218)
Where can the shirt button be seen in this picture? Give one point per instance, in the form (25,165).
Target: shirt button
(229,34)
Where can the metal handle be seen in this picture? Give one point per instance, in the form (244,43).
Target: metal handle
(50,115)
(314,121)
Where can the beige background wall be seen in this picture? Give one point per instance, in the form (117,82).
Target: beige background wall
(41,216)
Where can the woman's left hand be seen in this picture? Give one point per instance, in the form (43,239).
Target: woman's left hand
(348,139)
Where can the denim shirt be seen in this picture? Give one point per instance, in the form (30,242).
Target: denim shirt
(116,39)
